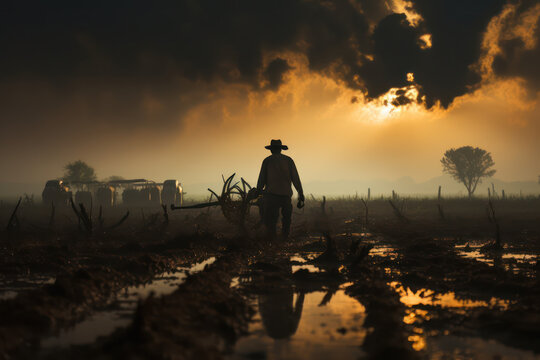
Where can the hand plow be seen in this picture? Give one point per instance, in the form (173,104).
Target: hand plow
(235,200)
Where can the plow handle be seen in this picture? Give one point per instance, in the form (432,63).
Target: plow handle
(197,206)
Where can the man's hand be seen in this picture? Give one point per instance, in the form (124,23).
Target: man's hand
(300,203)
(252,194)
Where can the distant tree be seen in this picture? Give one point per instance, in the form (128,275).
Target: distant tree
(79,171)
(468,165)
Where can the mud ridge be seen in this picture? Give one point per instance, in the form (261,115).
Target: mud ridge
(202,319)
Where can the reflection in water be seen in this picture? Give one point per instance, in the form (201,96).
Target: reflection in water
(332,331)
(291,324)
(445,300)
(199,266)
(308,267)
(279,315)
(418,341)
(415,316)
(384,251)
(356,234)
(302,260)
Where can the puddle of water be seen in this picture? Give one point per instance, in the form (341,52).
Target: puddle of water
(308,267)
(429,297)
(104,323)
(292,326)
(522,258)
(454,347)
(298,258)
(446,300)
(200,266)
(10,289)
(477,255)
(384,251)
(159,286)
(515,262)
(355,234)
(303,259)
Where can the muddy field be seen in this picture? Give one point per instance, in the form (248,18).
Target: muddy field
(385,278)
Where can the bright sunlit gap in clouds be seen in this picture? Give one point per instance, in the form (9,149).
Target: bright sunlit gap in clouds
(387,106)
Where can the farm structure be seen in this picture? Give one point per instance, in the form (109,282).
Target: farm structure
(133,192)
(56,192)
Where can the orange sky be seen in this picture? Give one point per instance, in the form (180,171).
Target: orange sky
(329,137)
(222,128)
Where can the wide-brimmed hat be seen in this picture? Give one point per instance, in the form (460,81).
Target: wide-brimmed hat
(276,144)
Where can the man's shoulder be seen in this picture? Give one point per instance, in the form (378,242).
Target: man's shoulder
(278,157)
(288,158)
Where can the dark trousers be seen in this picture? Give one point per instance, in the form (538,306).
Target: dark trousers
(271,206)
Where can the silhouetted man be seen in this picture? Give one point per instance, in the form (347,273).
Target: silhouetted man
(278,171)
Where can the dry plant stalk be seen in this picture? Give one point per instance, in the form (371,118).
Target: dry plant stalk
(398,212)
(13,220)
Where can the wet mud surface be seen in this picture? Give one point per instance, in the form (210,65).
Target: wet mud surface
(340,287)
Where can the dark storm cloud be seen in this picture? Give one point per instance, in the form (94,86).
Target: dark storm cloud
(113,57)
(110,56)
(395,52)
(457,28)
(275,71)
(515,58)
(443,71)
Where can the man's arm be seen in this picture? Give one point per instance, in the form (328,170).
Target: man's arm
(296,181)
(262,176)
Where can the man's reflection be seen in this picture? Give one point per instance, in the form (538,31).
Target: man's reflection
(279,312)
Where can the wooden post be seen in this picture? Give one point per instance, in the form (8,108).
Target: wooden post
(491,212)
(439,205)
(368,193)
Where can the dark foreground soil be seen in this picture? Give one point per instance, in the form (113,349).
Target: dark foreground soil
(421,279)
